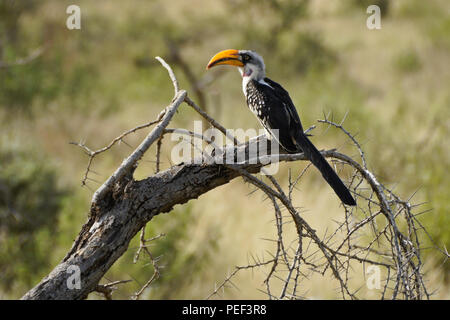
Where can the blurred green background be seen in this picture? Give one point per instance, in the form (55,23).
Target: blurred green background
(94,83)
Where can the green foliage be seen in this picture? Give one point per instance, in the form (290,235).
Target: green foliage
(108,68)
(276,27)
(438,30)
(20,85)
(418,9)
(30,197)
(30,200)
(407,61)
(10,12)
(303,51)
(383,4)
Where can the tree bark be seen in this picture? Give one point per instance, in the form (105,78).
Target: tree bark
(116,217)
(122,206)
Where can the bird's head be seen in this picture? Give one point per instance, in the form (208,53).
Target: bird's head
(249,63)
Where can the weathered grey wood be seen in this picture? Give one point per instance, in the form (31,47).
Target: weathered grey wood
(116,217)
(137,154)
(122,206)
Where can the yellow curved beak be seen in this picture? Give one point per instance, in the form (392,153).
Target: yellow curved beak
(230,57)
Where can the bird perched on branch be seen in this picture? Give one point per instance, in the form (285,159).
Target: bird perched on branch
(274,109)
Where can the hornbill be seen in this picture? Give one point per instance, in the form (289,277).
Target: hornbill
(273,107)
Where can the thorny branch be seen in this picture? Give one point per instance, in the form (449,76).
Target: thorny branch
(383,230)
(108,289)
(154,261)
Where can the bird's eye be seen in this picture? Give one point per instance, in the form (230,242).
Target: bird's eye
(245,58)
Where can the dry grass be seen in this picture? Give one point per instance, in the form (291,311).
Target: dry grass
(238,220)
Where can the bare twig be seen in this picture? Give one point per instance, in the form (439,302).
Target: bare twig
(108,289)
(154,261)
(369,234)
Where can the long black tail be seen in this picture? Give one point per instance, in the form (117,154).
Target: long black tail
(325,169)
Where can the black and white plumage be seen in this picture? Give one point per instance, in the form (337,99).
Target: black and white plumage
(273,107)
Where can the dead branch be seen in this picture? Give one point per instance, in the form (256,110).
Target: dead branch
(108,289)
(122,206)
